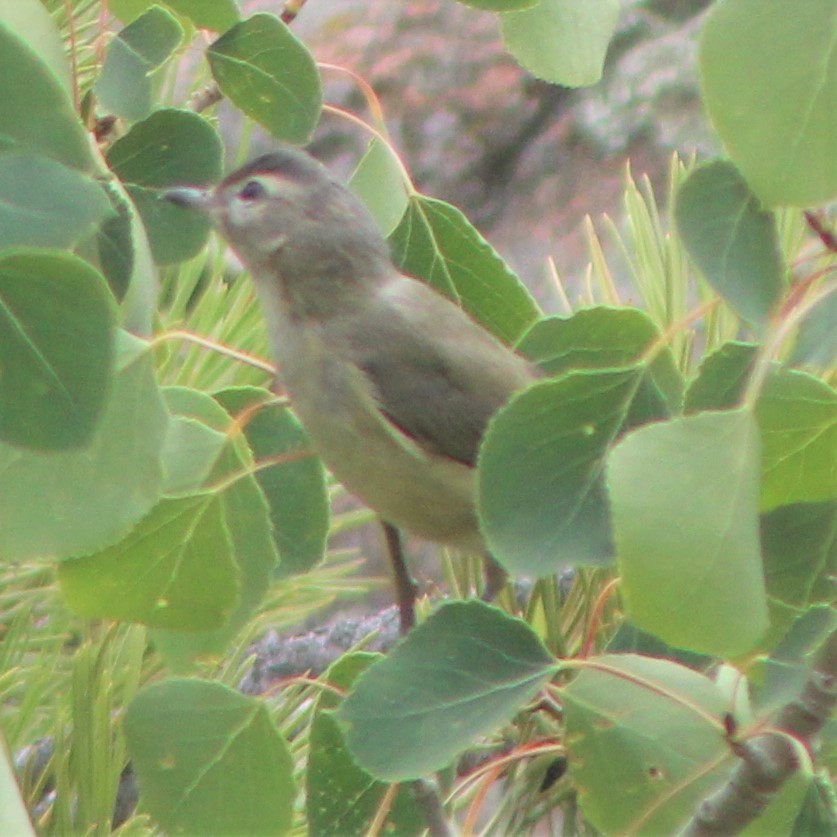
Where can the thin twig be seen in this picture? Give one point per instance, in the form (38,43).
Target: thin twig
(826,236)
(210,94)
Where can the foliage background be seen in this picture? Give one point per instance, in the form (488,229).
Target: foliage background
(160,507)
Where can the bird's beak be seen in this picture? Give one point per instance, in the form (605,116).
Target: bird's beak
(190,197)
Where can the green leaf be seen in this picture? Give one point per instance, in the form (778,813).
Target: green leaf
(129,10)
(629,638)
(295,486)
(769,82)
(799,544)
(36,115)
(342,800)
(32,23)
(601,338)
(71,502)
(436,243)
(115,242)
(57,322)
(202,562)
(46,204)
(250,544)
(797,415)
(193,404)
(817,815)
(168,148)
(783,809)
(152,37)
(268,73)
(540,488)
(124,87)
(646,742)
(217,15)
(684,496)
(379,183)
(173,235)
(562,41)
(139,303)
(174,570)
(209,760)
(731,239)
(171,147)
(540,491)
(781,677)
(721,378)
(198,431)
(460,674)
(202,449)
(816,342)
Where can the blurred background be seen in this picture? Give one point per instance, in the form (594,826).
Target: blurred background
(525,160)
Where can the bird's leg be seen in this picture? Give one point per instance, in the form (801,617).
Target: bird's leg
(495,578)
(405,588)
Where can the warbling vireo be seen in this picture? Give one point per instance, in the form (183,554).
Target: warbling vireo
(392,380)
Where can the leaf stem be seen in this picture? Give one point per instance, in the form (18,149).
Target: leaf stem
(770,347)
(372,101)
(215,346)
(378,135)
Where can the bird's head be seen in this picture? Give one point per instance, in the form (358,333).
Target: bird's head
(283,213)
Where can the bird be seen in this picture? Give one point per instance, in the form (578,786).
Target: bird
(393,382)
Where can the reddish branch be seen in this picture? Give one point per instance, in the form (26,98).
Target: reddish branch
(826,236)
(291,10)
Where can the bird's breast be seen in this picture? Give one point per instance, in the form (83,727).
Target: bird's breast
(431,496)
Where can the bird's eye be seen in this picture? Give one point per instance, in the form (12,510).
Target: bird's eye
(252,191)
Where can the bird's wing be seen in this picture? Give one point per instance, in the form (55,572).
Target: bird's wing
(436,374)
